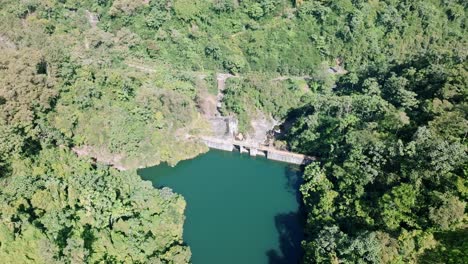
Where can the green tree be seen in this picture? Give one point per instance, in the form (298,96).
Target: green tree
(84,214)
(397,206)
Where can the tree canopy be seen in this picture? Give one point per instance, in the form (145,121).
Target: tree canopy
(376,90)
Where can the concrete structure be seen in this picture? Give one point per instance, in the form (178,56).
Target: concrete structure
(287,157)
(226,146)
(243,150)
(254,150)
(223,126)
(232,126)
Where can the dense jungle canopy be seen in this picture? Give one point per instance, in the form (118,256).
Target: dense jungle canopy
(375,89)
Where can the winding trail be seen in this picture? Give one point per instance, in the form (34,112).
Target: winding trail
(226,141)
(142,68)
(221,78)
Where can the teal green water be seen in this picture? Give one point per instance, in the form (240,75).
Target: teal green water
(240,210)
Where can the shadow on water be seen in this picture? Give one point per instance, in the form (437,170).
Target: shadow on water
(294,180)
(289,225)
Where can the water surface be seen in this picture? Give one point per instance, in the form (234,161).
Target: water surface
(240,210)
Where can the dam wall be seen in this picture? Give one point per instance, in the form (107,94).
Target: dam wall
(271,153)
(219,145)
(287,157)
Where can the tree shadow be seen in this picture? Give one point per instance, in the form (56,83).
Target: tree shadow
(291,117)
(290,225)
(452,248)
(293,175)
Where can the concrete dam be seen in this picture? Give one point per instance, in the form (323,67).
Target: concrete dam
(257,150)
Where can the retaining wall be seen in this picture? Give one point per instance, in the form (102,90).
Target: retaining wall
(220,146)
(285,157)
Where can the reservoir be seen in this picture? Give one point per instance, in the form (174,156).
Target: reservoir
(239,209)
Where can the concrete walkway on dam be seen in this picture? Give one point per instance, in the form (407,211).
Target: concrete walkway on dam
(257,150)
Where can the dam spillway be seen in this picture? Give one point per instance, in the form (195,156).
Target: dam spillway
(257,150)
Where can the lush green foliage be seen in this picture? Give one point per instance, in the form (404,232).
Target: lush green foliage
(59,209)
(390,134)
(452,249)
(393,162)
(139,124)
(245,96)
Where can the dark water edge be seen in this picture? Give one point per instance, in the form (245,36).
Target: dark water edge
(290,226)
(239,209)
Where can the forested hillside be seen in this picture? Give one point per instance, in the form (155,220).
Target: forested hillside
(376,90)
(393,163)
